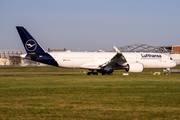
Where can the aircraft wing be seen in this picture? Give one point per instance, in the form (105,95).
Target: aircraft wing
(116,61)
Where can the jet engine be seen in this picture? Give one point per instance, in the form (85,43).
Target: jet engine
(135,67)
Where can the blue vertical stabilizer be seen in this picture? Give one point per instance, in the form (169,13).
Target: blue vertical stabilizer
(30,44)
(34,51)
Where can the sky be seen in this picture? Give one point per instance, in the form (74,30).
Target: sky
(90,24)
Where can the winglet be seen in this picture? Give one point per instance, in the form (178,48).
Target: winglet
(117,50)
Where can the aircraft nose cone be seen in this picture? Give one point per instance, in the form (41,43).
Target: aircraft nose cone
(174,63)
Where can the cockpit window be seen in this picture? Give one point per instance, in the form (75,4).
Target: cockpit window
(171,58)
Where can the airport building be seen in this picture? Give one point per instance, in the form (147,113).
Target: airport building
(57,49)
(172,51)
(8,58)
(175,52)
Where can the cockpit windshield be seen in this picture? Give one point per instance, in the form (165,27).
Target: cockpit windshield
(171,58)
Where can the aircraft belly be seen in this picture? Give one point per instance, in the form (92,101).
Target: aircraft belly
(151,64)
(78,63)
(90,66)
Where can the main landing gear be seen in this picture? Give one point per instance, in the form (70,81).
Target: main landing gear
(103,72)
(107,73)
(92,73)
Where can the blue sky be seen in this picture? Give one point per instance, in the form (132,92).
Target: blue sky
(90,24)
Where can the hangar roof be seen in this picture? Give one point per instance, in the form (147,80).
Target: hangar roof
(139,47)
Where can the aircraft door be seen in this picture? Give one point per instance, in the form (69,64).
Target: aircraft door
(137,58)
(164,59)
(56,58)
(92,58)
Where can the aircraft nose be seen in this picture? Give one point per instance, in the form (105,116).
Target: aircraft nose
(174,63)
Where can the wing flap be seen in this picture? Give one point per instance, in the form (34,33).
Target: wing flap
(117,61)
(119,57)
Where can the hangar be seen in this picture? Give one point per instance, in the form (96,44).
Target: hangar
(173,51)
(139,47)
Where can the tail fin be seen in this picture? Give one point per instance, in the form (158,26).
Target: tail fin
(29,42)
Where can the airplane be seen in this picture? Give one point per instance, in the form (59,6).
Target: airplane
(97,62)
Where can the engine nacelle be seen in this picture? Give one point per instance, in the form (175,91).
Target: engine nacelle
(135,67)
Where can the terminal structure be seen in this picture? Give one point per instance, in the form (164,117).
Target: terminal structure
(147,48)
(173,51)
(8,58)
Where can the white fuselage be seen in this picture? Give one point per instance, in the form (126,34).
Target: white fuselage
(93,60)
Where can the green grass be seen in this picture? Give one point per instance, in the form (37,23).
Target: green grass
(56,93)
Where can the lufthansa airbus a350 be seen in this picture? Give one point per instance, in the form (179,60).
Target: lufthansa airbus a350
(97,62)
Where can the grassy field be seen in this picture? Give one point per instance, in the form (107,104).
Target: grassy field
(57,93)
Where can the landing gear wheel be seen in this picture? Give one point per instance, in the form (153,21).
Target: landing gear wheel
(103,73)
(107,73)
(110,73)
(92,73)
(96,73)
(89,73)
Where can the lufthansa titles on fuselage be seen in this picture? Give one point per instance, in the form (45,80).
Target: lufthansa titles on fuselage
(151,56)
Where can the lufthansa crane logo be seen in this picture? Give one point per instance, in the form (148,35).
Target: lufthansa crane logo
(31,45)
